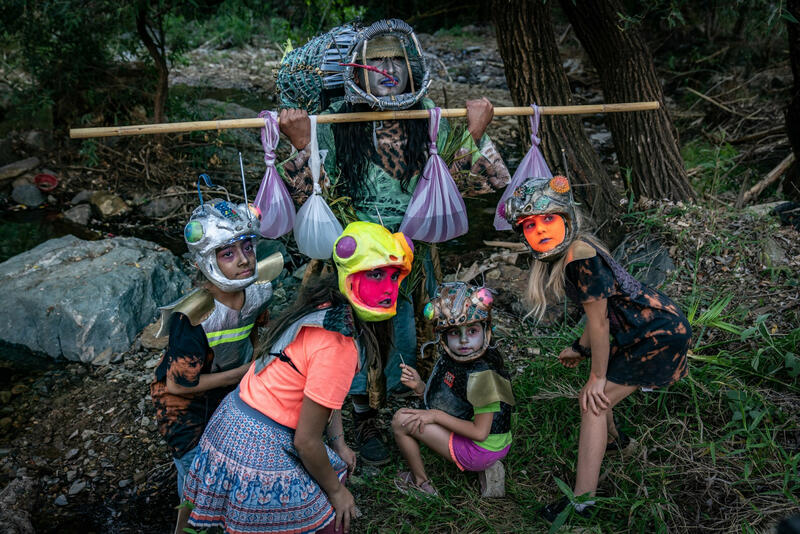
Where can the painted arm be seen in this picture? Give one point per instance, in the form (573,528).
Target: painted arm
(208,381)
(309,446)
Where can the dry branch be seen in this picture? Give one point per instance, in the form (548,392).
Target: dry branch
(769,179)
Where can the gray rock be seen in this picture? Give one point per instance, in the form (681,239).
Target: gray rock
(210,109)
(61,500)
(772,255)
(89,297)
(12,170)
(601,138)
(71,453)
(27,195)
(648,262)
(39,139)
(16,501)
(108,204)
(125,483)
(161,207)
(79,214)
(76,487)
(82,198)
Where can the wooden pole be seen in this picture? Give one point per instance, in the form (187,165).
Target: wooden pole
(177,127)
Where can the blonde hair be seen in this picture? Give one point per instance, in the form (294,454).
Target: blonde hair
(546,281)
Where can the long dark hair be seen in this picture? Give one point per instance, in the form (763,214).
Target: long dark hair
(355,149)
(325,290)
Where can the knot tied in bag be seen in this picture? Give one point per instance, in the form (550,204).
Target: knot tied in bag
(273,198)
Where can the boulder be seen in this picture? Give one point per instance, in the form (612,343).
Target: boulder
(109,205)
(82,197)
(16,502)
(163,205)
(645,258)
(79,214)
(86,300)
(27,195)
(12,170)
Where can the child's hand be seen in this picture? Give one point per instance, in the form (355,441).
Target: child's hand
(593,396)
(415,420)
(570,358)
(410,378)
(347,454)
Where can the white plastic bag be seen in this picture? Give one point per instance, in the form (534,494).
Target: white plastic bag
(316,227)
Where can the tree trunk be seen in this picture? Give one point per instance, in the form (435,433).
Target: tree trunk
(527,43)
(153,39)
(647,141)
(791,184)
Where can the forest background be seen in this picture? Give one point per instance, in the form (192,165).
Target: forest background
(719,451)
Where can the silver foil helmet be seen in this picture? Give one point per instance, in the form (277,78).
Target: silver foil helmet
(539,196)
(216,225)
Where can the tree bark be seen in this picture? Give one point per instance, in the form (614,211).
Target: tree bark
(646,142)
(153,39)
(791,184)
(527,42)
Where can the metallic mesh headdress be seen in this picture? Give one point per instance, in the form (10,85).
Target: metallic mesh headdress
(539,196)
(308,73)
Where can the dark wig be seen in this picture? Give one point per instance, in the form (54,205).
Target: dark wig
(325,290)
(355,149)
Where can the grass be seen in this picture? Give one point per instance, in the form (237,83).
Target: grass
(718,451)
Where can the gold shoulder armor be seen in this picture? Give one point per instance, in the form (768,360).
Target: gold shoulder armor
(196,305)
(269,268)
(579,250)
(487,387)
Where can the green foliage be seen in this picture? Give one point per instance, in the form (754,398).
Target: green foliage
(716,164)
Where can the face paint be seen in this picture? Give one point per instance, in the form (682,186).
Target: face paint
(465,340)
(380,85)
(544,232)
(377,288)
(237,261)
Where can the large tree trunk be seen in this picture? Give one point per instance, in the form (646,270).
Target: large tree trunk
(791,184)
(152,35)
(647,141)
(527,43)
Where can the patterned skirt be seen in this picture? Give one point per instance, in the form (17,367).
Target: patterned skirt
(247,476)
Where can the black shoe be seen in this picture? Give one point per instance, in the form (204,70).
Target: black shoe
(552,510)
(368,441)
(620,443)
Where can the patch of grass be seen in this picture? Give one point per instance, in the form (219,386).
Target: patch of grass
(714,166)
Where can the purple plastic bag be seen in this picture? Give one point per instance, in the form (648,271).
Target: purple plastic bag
(532,166)
(436,212)
(277,208)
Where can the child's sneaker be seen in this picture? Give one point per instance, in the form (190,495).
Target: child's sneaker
(404,481)
(552,510)
(493,481)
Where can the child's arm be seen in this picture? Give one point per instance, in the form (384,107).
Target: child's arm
(335,433)
(477,430)
(207,381)
(592,395)
(410,378)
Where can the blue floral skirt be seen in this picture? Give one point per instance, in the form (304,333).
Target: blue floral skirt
(247,476)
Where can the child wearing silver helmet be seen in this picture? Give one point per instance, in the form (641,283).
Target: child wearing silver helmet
(649,333)
(468,397)
(212,329)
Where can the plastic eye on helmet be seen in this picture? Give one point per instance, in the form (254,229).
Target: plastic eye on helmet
(193,231)
(346,247)
(428,311)
(559,184)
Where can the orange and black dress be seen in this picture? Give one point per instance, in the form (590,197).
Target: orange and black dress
(650,333)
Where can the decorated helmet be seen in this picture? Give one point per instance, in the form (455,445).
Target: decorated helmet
(216,225)
(540,196)
(387,38)
(364,246)
(458,304)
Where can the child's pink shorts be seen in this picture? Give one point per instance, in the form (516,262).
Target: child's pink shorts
(469,456)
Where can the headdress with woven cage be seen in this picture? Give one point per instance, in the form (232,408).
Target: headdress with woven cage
(540,196)
(459,304)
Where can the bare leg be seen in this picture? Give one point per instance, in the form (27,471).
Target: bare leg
(436,437)
(593,439)
(183,519)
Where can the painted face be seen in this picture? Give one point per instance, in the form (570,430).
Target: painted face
(237,261)
(377,288)
(465,340)
(380,85)
(544,232)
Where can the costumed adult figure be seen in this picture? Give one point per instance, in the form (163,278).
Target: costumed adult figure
(377,165)
(649,335)
(262,464)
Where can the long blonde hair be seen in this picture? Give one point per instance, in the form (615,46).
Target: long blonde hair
(546,281)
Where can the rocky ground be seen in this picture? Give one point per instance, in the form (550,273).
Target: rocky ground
(79,449)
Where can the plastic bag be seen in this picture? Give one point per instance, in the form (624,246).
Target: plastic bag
(532,166)
(316,228)
(436,211)
(277,208)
